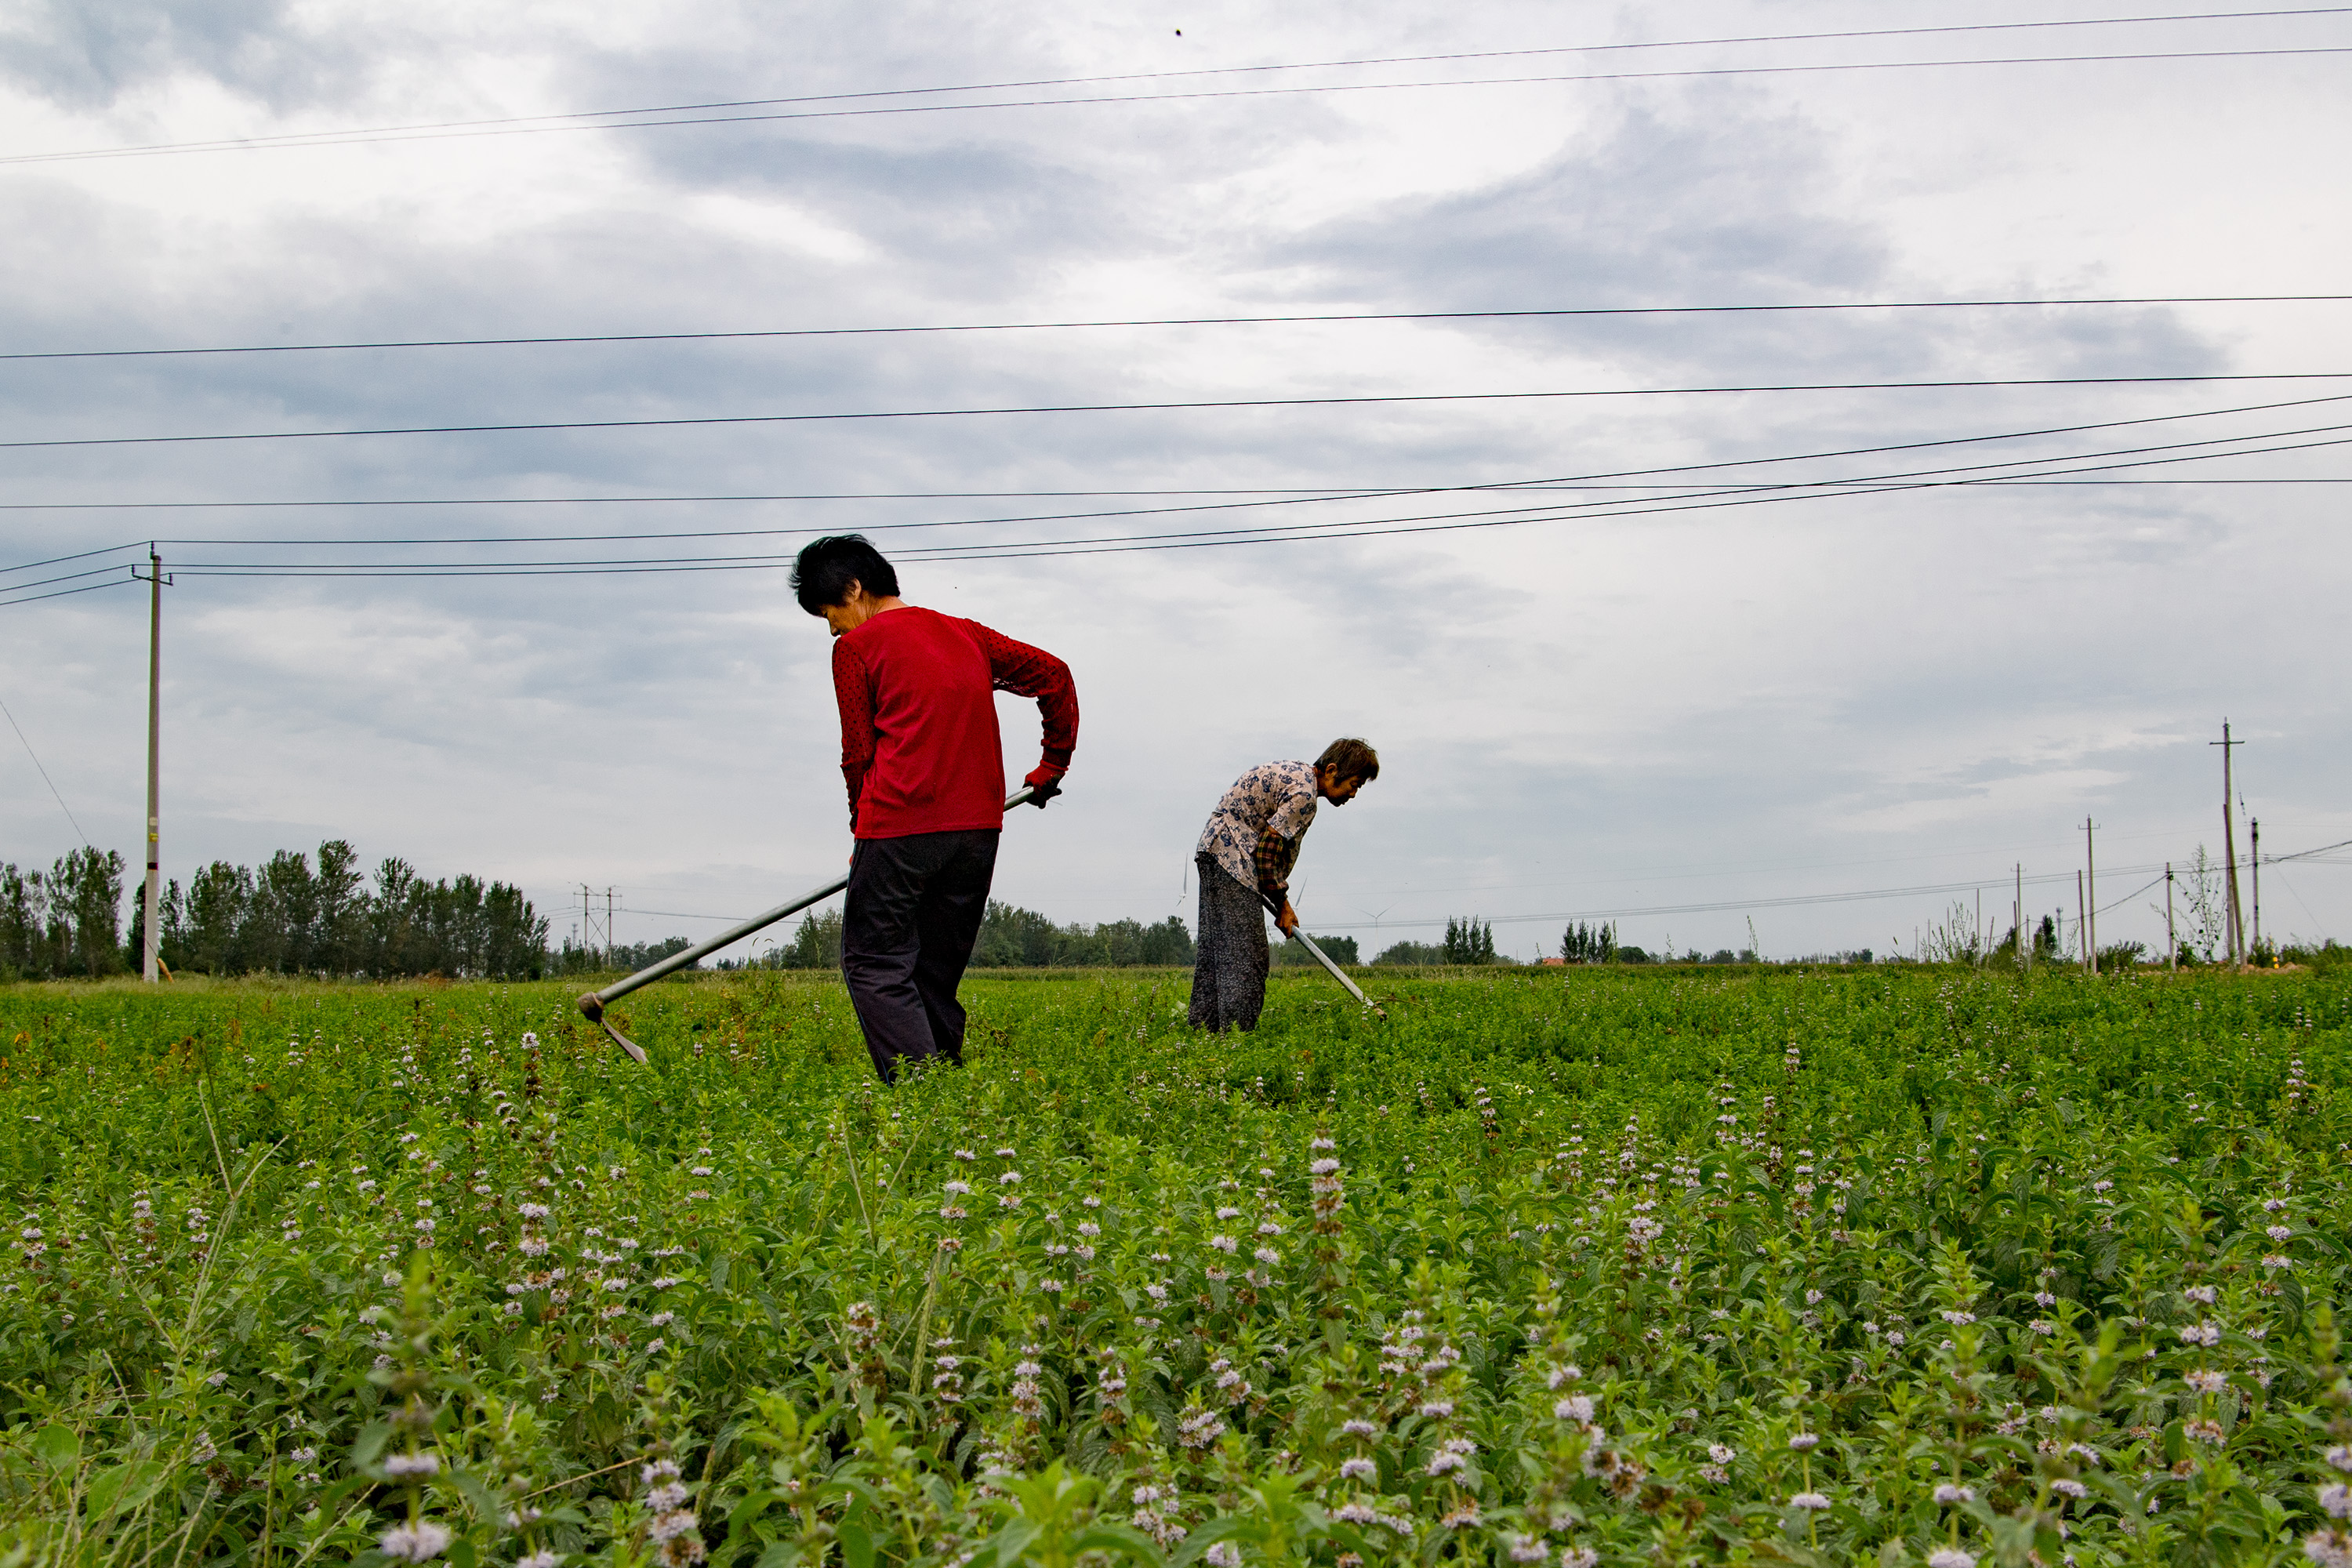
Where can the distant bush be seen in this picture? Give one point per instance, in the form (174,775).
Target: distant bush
(1412,952)
(1338,949)
(626,957)
(1015,938)
(1469,941)
(64,922)
(288,917)
(1595,944)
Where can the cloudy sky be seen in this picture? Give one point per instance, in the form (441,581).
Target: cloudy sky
(1729,648)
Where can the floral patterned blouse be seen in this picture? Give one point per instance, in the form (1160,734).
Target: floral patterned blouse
(1279,797)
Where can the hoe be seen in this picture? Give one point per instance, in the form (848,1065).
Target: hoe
(594,1004)
(1303,940)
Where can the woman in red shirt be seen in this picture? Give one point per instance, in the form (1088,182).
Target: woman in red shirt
(924,762)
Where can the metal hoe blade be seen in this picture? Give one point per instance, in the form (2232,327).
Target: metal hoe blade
(593,1005)
(1303,940)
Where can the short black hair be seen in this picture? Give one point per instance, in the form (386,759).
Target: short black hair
(825,568)
(1355,759)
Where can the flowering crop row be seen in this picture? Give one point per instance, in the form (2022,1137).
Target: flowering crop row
(1581,1269)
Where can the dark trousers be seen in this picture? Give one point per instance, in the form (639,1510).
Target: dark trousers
(1230,961)
(915,907)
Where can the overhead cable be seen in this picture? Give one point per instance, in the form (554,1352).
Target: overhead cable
(1187,406)
(1307,494)
(1036,82)
(1190,539)
(2000,472)
(528,127)
(1306,319)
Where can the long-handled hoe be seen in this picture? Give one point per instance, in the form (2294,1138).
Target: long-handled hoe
(594,1004)
(1303,940)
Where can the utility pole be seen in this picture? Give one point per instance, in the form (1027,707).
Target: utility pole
(151,957)
(2024,943)
(2090,909)
(2082,926)
(2171,942)
(2254,851)
(2229,848)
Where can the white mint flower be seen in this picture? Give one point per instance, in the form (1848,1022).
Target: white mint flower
(1948,1493)
(412,1465)
(1224,1244)
(1721,1455)
(1359,1470)
(418,1543)
(1950,1557)
(2071,1488)
(670,1526)
(1812,1502)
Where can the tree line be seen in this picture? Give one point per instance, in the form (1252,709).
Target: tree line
(287,916)
(1010,937)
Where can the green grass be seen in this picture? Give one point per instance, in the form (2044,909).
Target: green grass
(2068,1250)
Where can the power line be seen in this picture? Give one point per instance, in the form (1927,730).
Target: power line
(45,777)
(1928,889)
(1324,317)
(2003,880)
(1193,406)
(1193,539)
(1978,474)
(303,138)
(1326,492)
(64,592)
(1546,511)
(544,125)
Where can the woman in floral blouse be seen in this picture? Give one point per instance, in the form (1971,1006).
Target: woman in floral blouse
(1245,854)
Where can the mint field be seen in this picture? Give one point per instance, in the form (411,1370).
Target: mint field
(1889,1266)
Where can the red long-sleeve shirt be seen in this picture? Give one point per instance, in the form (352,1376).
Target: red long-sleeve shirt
(920,745)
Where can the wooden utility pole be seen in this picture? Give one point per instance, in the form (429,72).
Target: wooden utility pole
(2230,849)
(2024,943)
(2082,926)
(2171,942)
(2254,851)
(2091,907)
(152,944)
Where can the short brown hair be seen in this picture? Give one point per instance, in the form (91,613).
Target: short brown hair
(1355,759)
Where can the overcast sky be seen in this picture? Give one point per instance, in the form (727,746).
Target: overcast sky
(1770,697)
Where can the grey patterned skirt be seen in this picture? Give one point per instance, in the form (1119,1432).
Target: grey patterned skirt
(1228,968)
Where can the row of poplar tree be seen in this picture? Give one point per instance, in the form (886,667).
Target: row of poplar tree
(287,916)
(1010,937)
